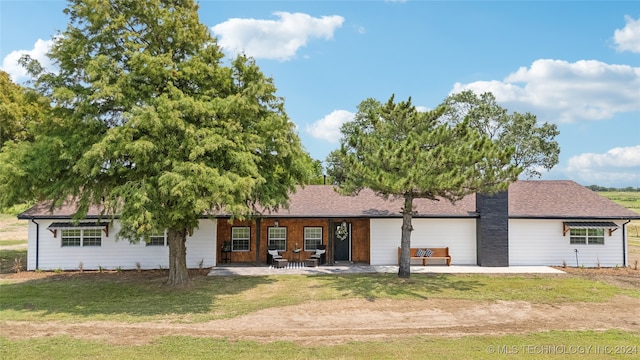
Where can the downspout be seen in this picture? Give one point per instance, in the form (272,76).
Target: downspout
(37,242)
(624,243)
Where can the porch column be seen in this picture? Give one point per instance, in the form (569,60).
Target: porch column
(258,231)
(330,243)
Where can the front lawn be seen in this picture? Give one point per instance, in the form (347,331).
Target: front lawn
(130,296)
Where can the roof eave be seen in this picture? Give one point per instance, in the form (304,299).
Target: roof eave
(569,217)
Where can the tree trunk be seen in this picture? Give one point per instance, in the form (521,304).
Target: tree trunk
(404,270)
(178,273)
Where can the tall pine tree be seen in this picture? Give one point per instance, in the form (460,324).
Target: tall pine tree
(399,152)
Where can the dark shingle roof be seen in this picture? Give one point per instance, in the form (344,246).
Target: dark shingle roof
(562,199)
(324,201)
(527,199)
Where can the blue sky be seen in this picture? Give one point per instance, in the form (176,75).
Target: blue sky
(572,63)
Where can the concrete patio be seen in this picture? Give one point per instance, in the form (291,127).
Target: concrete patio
(354,268)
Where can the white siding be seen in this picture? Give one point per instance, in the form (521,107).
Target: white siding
(457,234)
(201,246)
(540,242)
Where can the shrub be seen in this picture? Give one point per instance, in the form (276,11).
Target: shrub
(17,265)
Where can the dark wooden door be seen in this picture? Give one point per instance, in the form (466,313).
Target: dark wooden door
(342,242)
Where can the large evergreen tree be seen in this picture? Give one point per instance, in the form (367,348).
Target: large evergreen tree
(154,126)
(399,152)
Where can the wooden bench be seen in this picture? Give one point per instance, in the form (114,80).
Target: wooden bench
(438,254)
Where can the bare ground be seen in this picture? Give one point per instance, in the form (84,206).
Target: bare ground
(356,319)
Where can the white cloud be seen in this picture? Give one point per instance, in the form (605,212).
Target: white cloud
(559,91)
(617,166)
(628,38)
(274,39)
(328,128)
(39,52)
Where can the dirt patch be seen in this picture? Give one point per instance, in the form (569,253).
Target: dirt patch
(12,229)
(341,321)
(628,278)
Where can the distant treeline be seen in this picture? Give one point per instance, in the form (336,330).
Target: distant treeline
(604,188)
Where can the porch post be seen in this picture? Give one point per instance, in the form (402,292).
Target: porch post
(330,255)
(258,231)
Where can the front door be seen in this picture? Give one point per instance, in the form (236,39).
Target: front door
(342,242)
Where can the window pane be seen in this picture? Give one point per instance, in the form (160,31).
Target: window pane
(596,236)
(277,238)
(71,237)
(240,238)
(596,240)
(578,232)
(312,238)
(157,238)
(578,240)
(596,232)
(92,237)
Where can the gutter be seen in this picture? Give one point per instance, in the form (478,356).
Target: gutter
(37,242)
(624,243)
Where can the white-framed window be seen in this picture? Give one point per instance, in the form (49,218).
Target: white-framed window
(589,236)
(91,237)
(158,238)
(240,238)
(312,238)
(81,237)
(277,237)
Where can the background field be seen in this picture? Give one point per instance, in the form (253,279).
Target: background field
(630,200)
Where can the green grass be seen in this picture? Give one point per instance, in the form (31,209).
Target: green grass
(133,297)
(12,242)
(11,220)
(628,199)
(566,344)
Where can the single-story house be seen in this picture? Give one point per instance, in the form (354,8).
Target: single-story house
(533,223)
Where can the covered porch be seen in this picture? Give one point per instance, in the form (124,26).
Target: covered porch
(242,243)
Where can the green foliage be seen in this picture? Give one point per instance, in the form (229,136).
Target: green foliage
(534,144)
(153,126)
(399,152)
(613,189)
(16,209)
(396,150)
(20,110)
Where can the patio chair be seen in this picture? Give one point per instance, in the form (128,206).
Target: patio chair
(272,253)
(320,254)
